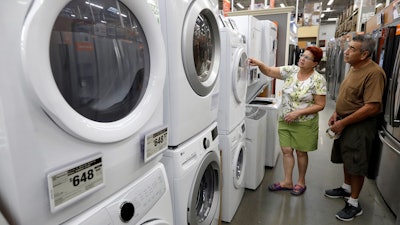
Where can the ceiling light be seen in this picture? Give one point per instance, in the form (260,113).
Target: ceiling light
(332,19)
(330,2)
(95,5)
(240,5)
(282,5)
(322,15)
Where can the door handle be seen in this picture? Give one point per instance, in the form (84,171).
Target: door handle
(382,138)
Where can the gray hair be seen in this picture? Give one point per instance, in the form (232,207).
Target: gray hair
(367,43)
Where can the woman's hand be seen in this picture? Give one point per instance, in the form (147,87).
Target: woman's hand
(291,117)
(253,62)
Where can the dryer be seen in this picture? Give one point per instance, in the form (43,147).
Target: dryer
(233,148)
(233,78)
(146,201)
(269,42)
(190,30)
(193,171)
(81,108)
(251,27)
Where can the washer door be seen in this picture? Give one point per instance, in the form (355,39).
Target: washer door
(239,165)
(239,73)
(98,69)
(201,49)
(204,197)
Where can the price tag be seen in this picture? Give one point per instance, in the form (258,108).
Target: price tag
(72,183)
(155,143)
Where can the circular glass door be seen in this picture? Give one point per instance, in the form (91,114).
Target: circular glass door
(239,74)
(100,60)
(239,163)
(97,68)
(201,47)
(204,198)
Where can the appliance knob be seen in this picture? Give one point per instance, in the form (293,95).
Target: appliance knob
(127,211)
(206,143)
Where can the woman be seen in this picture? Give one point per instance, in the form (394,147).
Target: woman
(303,96)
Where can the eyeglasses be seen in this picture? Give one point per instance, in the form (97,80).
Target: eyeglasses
(306,57)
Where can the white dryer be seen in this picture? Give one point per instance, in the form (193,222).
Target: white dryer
(251,27)
(192,38)
(233,147)
(233,78)
(193,171)
(146,201)
(269,42)
(81,109)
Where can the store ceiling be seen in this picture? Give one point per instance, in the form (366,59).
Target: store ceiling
(337,7)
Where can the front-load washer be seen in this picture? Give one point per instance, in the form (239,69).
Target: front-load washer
(233,78)
(81,107)
(233,149)
(146,201)
(193,171)
(190,30)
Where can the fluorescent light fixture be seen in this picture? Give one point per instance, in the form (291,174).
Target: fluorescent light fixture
(322,15)
(330,2)
(95,5)
(282,5)
(328,9)
(379,5)
(332,19)
(240,5)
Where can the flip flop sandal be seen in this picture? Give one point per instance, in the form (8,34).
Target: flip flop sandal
(278,187)
(298,190)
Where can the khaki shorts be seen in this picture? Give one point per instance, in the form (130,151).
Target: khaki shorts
(302,136)
(354,147)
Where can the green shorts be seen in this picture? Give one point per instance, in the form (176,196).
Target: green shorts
(302,136)
(355,145)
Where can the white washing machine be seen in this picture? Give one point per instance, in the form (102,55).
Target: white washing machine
(233,147)
(193,171)
(190,30)
(81,109)
(146,201)
(251,27)
(255,146)
(233,78)
(273,148)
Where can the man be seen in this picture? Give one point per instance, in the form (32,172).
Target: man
(355,120)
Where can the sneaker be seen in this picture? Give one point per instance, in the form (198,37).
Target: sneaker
(337,193)
(349,212)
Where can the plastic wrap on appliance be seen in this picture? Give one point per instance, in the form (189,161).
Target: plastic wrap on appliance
(256,88)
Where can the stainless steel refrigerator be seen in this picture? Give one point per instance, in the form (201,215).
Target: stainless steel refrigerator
(388,181)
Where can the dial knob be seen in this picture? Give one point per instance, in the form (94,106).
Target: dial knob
(127,211)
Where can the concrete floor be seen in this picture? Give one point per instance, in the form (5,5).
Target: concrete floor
(313,208)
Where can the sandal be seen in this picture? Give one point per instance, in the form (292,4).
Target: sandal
(298,190)
(278,187)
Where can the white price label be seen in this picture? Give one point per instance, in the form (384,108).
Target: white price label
(71,184)
(155,143)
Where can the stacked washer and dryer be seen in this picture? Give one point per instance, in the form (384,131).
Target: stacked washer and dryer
(81,114)
(231,113)
(191,94)
(255,117)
